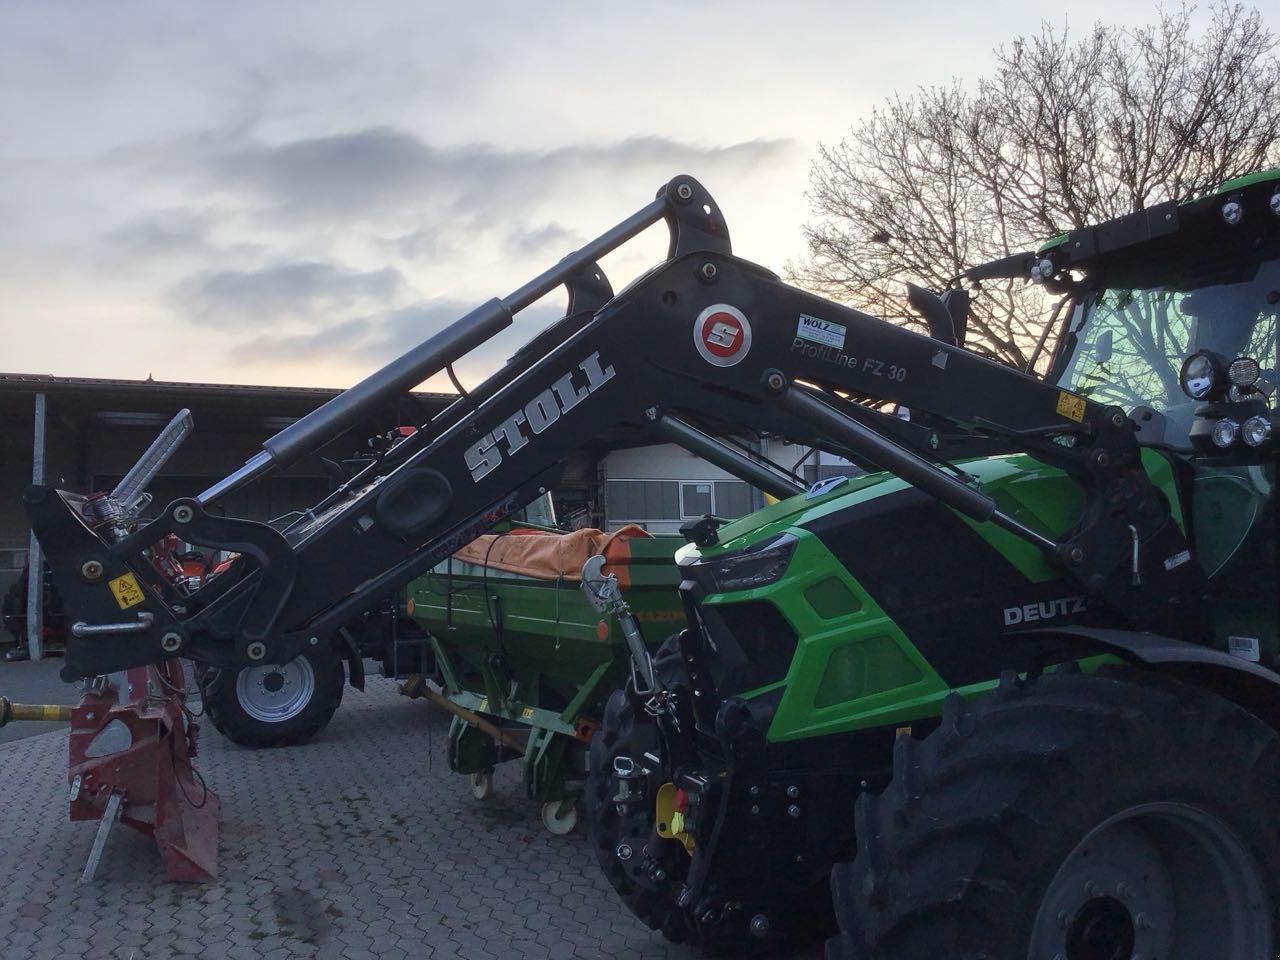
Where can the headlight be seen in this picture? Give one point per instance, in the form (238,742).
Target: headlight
(1224,432)
(762,564)
(1256,431)
(1202,375)
(1244,372)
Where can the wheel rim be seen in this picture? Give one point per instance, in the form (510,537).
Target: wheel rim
(276,693)
(559,816)
(1164,880)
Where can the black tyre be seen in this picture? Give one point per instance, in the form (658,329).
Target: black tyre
(620,837)
(276,706)
(625,839)
(1073,817)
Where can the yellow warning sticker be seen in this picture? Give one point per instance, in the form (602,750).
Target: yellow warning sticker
(128,593)
(1071,406)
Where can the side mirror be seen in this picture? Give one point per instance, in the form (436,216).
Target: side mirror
(1102,348)
(930,306)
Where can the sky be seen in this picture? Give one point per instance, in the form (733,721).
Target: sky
(295,194)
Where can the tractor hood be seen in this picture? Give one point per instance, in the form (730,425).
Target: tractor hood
(1009,479)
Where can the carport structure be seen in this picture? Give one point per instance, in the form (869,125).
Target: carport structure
(85,433)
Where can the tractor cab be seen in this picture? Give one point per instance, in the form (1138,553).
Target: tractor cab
(1180,331)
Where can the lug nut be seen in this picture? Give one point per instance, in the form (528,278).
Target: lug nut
(793,791)
(793,811)
(624,851)
(759,925)
(91,571)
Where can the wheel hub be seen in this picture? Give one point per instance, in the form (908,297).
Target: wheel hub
(1158,880)
(276,693)
(1103,929)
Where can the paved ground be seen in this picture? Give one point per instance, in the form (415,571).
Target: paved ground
(358,845)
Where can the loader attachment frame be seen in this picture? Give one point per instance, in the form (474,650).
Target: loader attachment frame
(702,340)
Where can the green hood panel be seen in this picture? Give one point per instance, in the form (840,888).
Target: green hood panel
(1041,496)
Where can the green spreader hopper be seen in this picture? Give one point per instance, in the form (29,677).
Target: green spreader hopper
(518,645)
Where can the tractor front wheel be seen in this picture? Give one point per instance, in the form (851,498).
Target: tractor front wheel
(1074,817)
(623,834)
(276,705)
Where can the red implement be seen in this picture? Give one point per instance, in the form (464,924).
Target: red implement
(131,738)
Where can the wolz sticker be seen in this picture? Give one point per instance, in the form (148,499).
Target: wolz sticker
(826,332)
(722,335)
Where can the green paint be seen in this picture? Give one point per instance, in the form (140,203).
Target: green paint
(1248,180)
(854,668)
(530,651)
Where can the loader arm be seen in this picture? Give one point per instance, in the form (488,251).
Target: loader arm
(703,338)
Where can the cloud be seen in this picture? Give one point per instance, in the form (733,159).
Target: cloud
(539,241)
(305,290)
(370,173)
(372,341)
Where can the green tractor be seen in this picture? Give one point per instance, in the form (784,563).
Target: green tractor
(982,759)
(1014,697)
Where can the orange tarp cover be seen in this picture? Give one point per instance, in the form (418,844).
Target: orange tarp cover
(548,555)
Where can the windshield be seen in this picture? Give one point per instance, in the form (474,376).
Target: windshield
(1129,342)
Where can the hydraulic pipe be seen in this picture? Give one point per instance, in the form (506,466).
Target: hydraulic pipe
(611,239)
(425,360)
(911,467)
(396,378)
(726,458)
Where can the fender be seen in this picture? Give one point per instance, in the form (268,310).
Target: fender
(346,647)
(1248,685)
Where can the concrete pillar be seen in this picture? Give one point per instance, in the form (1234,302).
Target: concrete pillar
(35,578)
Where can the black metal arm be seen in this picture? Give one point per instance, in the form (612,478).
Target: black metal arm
(704,338)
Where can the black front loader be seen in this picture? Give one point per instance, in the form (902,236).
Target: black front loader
(703,340)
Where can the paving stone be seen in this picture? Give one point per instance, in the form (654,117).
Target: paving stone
(358,845)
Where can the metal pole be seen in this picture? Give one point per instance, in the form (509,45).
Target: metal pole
(726,458)
(35,572)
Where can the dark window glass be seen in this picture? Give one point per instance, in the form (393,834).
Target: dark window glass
(696,499)
(733,498)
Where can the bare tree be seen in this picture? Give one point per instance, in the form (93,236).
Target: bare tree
(1064,133)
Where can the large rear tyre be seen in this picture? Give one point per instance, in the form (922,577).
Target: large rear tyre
(276,705)
(1074,817)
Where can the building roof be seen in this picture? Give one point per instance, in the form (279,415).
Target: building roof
(151,403)
(40,382)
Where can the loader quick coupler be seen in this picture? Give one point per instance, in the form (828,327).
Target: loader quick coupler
(632,779)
